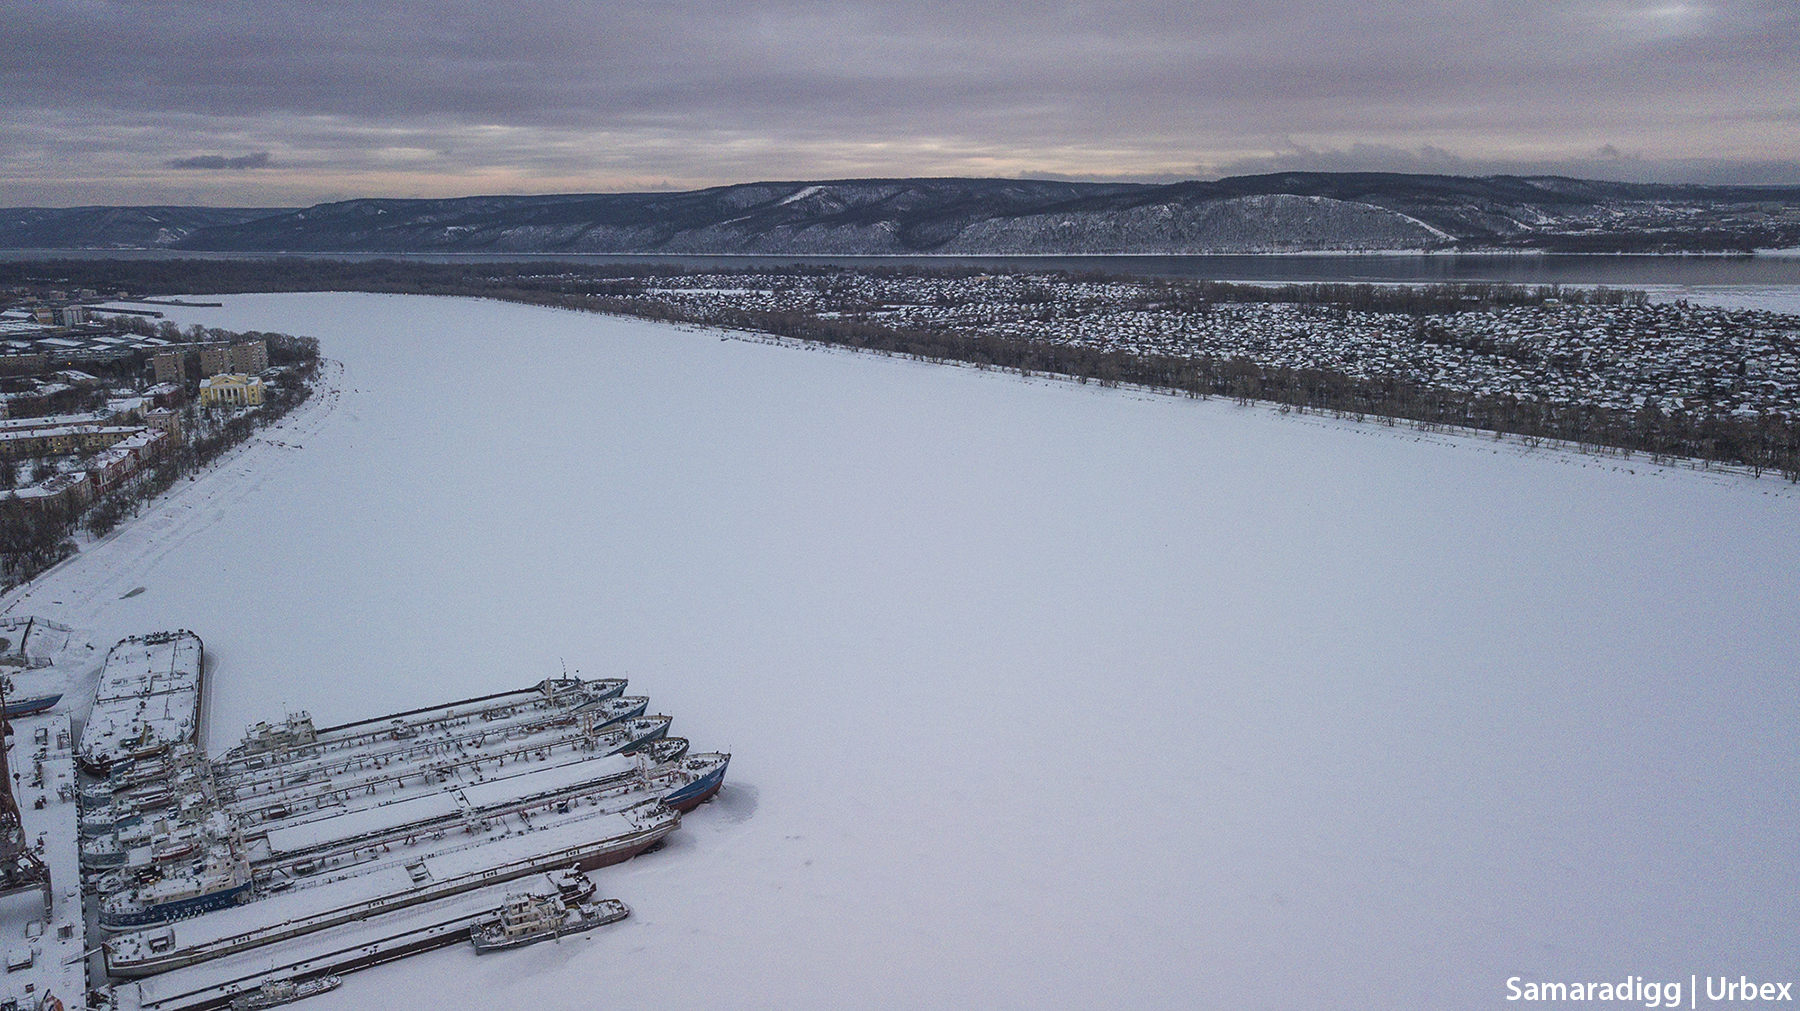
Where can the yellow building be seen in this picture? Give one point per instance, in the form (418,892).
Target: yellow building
(228,388)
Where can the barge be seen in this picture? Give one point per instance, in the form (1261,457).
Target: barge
(585,843)
(149,699)
(342,950)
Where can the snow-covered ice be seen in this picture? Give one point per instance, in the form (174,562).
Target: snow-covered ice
(1039,695)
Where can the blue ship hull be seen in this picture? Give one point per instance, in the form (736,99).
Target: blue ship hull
(645,741)
(26,707)
(698,792)
(163,913)
(636,711)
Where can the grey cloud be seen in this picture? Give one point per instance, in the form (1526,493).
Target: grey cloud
(258,159)
(1355,158)
(1606,162)
(722,90)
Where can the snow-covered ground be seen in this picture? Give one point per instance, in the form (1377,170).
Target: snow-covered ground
(1039,695)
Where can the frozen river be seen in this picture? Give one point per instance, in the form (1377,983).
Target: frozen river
(1039,695)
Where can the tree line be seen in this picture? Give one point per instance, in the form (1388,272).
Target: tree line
(1759,442)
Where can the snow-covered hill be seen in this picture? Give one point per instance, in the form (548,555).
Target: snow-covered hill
(1285,212)
(1257,224)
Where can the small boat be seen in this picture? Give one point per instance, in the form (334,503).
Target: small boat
(528,919)
(26,707)
(284,991)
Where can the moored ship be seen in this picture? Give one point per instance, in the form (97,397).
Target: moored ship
(527,919)
(399,829)
(283,991)
(28,707)
(218,879)
(699,778)
(148,699)
(579,840)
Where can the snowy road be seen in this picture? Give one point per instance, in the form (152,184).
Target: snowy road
(1040,695)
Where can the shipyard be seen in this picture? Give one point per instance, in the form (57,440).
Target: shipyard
(142,872)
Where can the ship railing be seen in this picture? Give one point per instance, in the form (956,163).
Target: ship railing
(606,789)
(394,783)
(332,761)
(208,950)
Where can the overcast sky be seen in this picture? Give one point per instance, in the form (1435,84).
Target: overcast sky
(281,102)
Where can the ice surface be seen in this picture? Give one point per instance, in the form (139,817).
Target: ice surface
(1039,695)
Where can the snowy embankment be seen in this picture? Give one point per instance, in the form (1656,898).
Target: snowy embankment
(1039,695)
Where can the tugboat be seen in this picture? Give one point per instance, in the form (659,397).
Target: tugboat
(528,919)
(283,991)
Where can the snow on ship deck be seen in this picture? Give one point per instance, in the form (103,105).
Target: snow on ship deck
(295,743)
(357,828)
(42,753)
(341,949)
(419,813)
(421,797)
(149,697)
(300,856)
(522,846)
(365,779)
(345,825)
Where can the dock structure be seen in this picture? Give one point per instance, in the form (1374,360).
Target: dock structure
(21,868)
(304,852)
(43,935)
